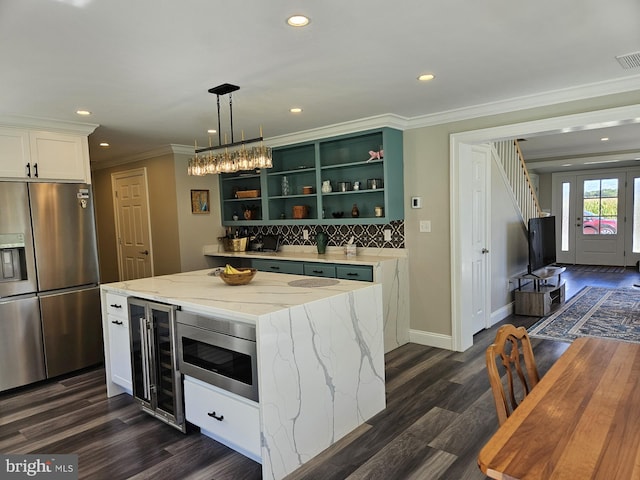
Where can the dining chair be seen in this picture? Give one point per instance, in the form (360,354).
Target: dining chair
(506,349)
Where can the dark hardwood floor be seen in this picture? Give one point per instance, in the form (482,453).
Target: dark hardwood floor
(439,414)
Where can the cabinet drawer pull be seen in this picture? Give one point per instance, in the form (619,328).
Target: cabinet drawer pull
(352,274)
(115,305)
(35,170)
(213,414)
(116,322)
(274,267)
(28,169)
(318,271)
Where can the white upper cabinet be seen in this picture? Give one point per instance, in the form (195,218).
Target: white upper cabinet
(14,153)
(43,156)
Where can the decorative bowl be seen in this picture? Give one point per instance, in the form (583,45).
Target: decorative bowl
(239,278)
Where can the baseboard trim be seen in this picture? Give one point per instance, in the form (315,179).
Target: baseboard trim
(501,314)
(431,339)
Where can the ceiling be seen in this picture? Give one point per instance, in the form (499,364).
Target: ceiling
(143,67)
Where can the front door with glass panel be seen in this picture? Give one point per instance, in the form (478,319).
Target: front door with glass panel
(591,209)
(600,233)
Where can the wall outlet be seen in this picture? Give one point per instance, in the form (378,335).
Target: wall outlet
(425,226)
(387,235)
(305,234)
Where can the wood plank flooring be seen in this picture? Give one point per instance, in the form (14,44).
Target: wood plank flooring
(439,414)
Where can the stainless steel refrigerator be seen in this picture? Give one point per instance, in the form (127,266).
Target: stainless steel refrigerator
(49,295)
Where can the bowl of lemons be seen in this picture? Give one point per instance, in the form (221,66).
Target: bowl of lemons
(237,276)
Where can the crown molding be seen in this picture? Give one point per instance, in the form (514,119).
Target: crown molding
(138,157)
(378,121)
(48,124)
(554,97)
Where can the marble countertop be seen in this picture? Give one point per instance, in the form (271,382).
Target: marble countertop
(365,256)
(267,293)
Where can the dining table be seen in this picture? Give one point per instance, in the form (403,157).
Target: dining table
(581,421)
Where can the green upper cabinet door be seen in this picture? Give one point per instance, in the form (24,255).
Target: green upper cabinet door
(348,179)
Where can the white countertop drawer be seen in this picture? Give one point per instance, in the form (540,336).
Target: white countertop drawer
(117,305)
(236,422)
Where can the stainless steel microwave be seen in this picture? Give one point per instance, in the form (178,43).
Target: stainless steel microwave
(218,352)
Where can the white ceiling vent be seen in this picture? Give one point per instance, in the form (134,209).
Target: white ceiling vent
(630,60)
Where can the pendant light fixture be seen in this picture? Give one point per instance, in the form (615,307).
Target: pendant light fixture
(230,157)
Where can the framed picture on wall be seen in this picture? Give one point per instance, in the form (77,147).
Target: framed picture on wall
(199,201)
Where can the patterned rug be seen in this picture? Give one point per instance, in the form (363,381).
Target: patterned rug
(594,312)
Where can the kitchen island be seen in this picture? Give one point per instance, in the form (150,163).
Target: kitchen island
(320,354)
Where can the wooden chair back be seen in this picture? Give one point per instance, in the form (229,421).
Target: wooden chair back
(510,345)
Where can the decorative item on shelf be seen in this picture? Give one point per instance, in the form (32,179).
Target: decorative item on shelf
(378,211)
(307,189)
(249,212)
(337,214)
(300,211)
(321,241)
(326,186)
(344,186)
(235,216)
(354,211)
(247,193)
(374,183)
(285,186)
(376,155)
(356,185)
(239,157)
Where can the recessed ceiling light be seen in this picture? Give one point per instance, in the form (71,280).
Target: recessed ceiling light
(425,77)
(298,21)
(104,144)
(83,112)
(604,139)
(295,110)
(211,130)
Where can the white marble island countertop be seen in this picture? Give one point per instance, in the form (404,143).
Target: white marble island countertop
(267,293)
(320,353)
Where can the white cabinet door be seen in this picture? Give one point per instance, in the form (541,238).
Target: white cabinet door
(14,153)
(58,156)
(119,349)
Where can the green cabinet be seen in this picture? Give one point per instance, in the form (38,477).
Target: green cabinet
(364,273)
(292,191)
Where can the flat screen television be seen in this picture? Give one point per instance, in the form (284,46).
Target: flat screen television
(542,243)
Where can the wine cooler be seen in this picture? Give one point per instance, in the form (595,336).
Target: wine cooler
(157,383)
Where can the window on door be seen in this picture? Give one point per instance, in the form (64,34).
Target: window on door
(600,207)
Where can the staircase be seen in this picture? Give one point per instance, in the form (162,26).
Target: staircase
(515,171)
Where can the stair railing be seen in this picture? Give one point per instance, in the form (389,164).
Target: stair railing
(517,175)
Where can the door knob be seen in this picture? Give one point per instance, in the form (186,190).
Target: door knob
(484,250)
(144,252)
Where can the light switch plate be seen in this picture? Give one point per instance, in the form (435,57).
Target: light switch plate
(305,234)
(416,202)
(387,235)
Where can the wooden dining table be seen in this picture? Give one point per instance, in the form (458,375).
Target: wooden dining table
(582,421)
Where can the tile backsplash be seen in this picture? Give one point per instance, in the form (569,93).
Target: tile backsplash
(364,235)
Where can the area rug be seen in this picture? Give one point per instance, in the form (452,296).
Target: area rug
(595,268)
(594,312)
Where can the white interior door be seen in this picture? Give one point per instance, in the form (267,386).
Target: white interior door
(131,205)
(480,272)
(600,206)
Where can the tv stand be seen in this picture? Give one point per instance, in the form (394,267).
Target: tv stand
(538,296)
